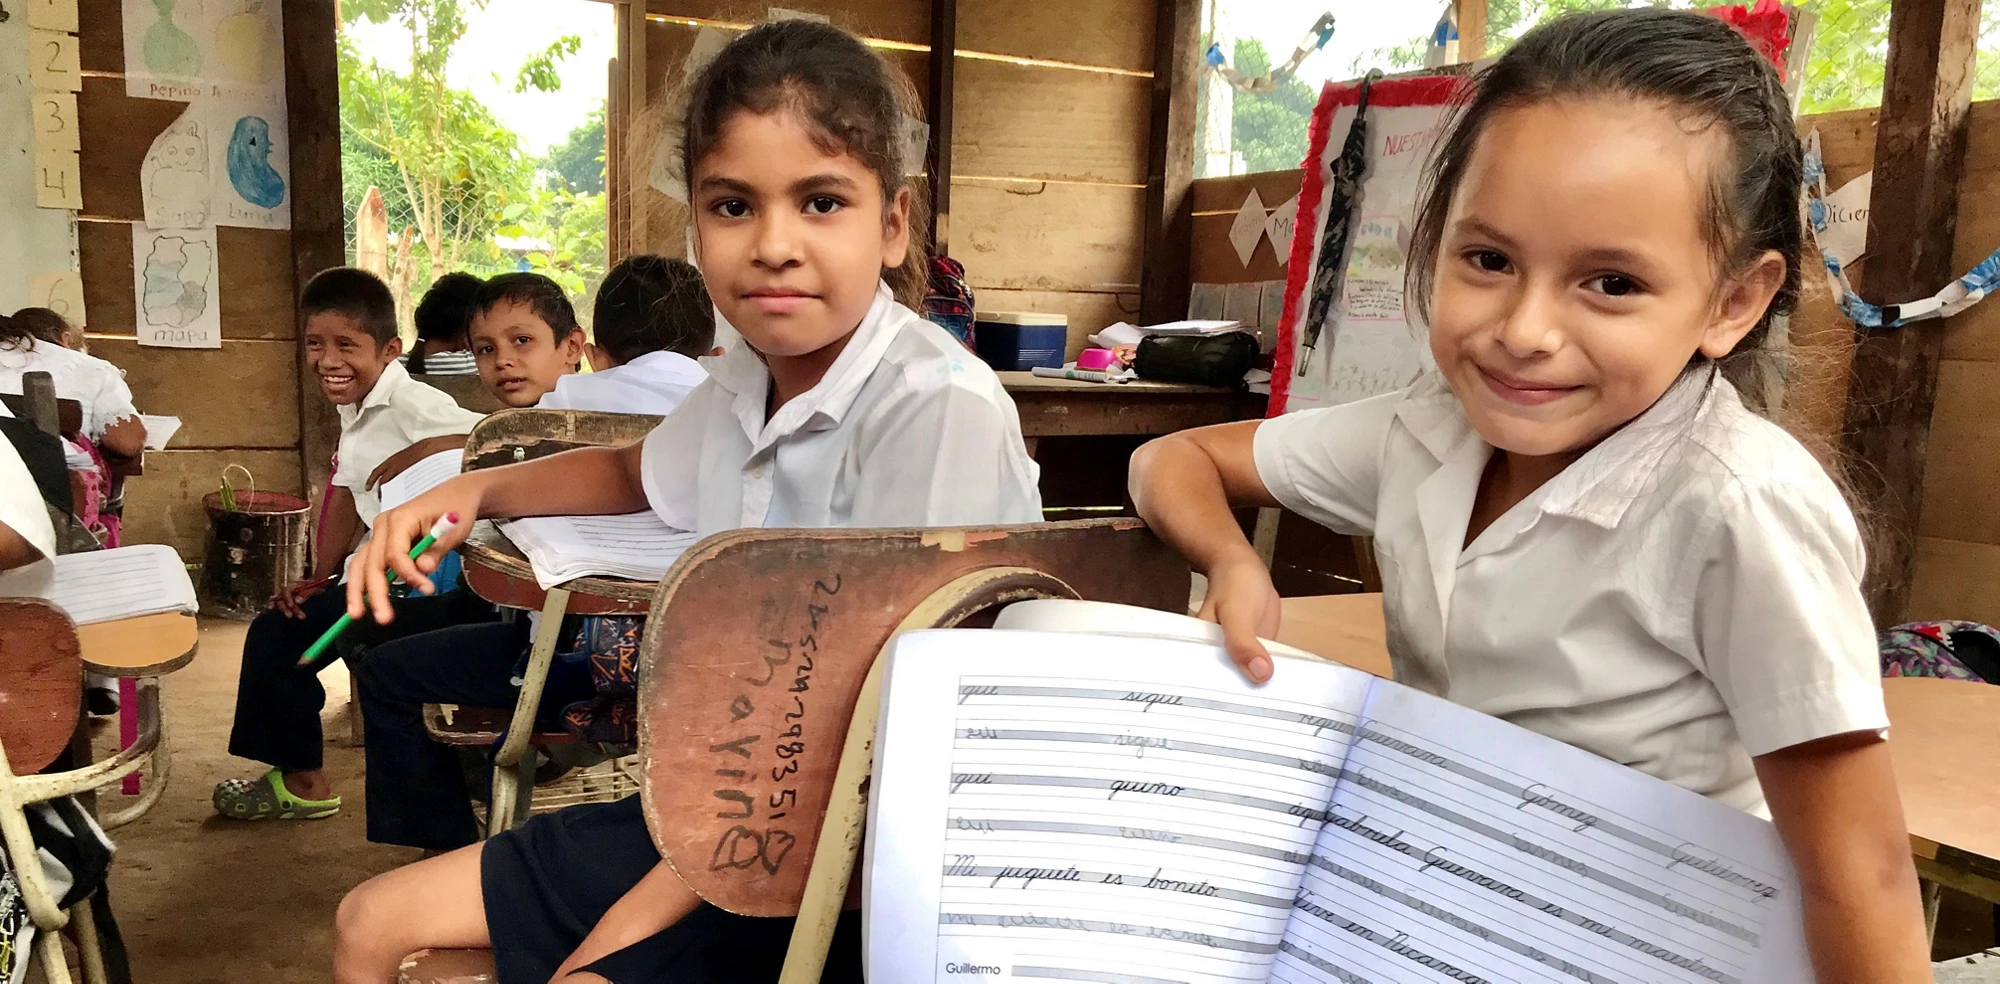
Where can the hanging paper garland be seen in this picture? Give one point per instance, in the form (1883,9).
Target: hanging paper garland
(1955,297)
(1315,39)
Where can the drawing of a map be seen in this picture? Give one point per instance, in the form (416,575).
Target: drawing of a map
(176,277)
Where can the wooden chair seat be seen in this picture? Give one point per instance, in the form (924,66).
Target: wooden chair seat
(467,724)
(448,967)
(147,646)
(41,682)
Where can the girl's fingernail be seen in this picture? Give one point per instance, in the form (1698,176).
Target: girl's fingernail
(1260,668)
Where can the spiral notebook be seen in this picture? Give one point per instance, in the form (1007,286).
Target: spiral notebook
(1067,807)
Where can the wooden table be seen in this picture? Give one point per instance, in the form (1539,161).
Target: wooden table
(1072,408)
(1942,736)
(1344,628)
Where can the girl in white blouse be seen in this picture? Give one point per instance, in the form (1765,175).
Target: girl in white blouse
(1581,526)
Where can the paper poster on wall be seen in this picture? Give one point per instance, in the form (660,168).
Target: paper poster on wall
(52,15)
(175,179)
(1846,235)
(187,49)
(1279,228)
(36,238)
(175,287)
(250,157)
(58,177)
(1248,229)
(60,291)
(1366,344)
(53,64)
(54,115)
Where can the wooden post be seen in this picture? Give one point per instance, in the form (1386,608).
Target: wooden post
(632,61)
(944,52)
(1471,30)
(319,242)
(1912,221)
(1164,278)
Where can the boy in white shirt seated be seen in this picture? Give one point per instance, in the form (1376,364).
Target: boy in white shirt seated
(351,344)
(652,316)
(652,321)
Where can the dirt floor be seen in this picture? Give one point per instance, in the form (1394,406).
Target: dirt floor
(203,900)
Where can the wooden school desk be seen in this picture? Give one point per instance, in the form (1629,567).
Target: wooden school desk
(1941,735)
(1073,408)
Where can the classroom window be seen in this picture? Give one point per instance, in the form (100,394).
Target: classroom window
(472,139)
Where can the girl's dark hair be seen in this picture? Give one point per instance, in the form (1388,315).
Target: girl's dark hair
(543,296)
(44,324)
(851,101)
(14,333)
(442,314)
(651,303)
(1688,62)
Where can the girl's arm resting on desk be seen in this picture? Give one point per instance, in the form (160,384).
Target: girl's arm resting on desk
(587,481)
(1184,486)
(1834,802)
(124,438)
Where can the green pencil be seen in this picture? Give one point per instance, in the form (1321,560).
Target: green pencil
(445,522)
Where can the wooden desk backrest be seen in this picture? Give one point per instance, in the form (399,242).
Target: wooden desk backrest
(466,390)
(69,413)
(41,682)
(758,644)
(521,434)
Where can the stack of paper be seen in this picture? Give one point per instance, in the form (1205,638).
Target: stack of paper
(563,548)
(420,478)
(125,582)
(159,430)
(1124,333)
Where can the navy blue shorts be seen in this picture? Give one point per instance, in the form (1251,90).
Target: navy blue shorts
(546,884)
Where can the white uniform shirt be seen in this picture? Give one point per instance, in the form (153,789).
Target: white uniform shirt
(23,511)
(905,429)
(654,383)
(397,412)
(1684,596)
(96,384)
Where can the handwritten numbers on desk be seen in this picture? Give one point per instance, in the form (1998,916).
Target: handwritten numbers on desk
(52,15)
(52,62)
(54,114)
(58,179)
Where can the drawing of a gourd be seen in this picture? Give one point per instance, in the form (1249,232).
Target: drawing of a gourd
(250,169)
(242,41)
(176,176)
(168,49)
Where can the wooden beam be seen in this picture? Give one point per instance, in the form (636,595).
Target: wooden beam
(1912,220)
(1471,30)
(944,48)
(1164,276)
(319,242)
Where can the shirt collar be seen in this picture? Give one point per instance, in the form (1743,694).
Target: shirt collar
(1600,486)
(392,380)
(669,365)
(743,373)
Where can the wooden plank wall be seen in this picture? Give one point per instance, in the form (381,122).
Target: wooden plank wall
(239,403)
(1048,162)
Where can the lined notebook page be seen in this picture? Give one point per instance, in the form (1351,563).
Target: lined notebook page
(563,548)
(1037,814)
(104,585)
(428,473)
(1462,848)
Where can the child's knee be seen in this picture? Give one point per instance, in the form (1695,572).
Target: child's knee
(364,920)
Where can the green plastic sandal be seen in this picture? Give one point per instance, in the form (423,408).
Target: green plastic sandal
(266,798)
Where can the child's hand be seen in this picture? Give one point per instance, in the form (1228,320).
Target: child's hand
(291,597)
(399,529)
(1243,601)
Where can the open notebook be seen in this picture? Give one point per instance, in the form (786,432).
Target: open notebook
(421,477)
(563,548)
(1098,808)
(123,582)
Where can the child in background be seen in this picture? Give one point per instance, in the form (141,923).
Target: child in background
(652,317)
(441,318)
(109,419)
(52,327)
(352,347)
(1581,527)
(524,336)
(841,408)
(652,321)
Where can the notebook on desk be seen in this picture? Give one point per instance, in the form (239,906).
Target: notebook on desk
(123,582)
(564,548)
(1096,808)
